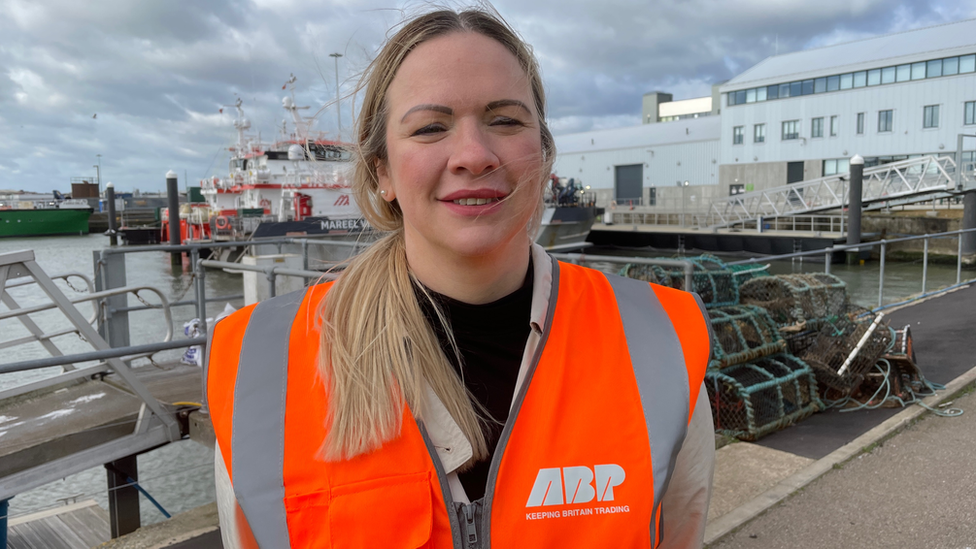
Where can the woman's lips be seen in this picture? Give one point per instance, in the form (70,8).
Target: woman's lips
(474,201)
(467,195)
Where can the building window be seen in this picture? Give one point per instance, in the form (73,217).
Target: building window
(833,126)
(738,135)
(759,133)
(932,68)
(736,188)
(874,77)
(970,113)
(884,120)
(836,166)
(816,127)
(860,123)
(903,73)
(791,129)
(918,70)
(930,116)
(888,74)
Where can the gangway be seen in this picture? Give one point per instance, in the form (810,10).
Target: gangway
(88,415)
(897,183)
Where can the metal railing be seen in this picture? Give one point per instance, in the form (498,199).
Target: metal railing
(828,253)
(897,182)
(687,266)
(817,223)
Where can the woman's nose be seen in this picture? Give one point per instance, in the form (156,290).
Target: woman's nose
(473,151)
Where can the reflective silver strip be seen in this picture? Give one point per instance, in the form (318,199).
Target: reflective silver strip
(258,437)
(662,378)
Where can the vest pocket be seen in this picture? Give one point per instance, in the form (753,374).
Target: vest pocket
(390,512)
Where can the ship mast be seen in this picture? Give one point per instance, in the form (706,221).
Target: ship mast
(302,125)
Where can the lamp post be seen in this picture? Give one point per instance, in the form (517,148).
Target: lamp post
(336,56)
(98,173)
(683,185)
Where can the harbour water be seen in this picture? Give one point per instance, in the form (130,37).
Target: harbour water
(180,475)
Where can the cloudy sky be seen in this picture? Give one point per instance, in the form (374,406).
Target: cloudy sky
(141,82)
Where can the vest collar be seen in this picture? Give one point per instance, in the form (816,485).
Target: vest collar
(453,448)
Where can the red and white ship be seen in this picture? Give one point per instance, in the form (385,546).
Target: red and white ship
(300,181)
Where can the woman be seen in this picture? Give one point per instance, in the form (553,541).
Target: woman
(456,387)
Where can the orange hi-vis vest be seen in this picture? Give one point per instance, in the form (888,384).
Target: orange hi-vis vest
(583,461)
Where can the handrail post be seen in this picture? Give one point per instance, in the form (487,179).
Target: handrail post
(925,262)
(201,292)
(959,259)
(305,254)
(827,257)
(114,322)
(272,278)
(881,275)
(689,269)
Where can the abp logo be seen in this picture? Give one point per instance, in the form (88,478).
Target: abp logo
(343,200)
(575,485)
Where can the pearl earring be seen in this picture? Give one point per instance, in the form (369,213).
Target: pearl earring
(383,192)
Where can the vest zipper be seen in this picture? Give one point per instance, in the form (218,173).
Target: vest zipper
(496,459)
(470,526)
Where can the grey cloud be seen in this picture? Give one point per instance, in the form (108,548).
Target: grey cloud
(157,72)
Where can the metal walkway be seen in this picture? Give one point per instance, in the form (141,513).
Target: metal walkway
(897,183)
(87,416)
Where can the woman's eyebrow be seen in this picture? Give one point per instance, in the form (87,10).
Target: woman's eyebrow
(428,107)
(507,103)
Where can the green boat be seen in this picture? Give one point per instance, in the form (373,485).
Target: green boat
(65,219)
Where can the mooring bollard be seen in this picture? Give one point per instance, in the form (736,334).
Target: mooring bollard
(854,208)
(968,240)
(112,232)
(173,194)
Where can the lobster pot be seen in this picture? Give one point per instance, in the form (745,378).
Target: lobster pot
(713,281)
(754,399)
(799,300)
(902,346)
(741,333)
(746,272)
(834,344)
(903,374)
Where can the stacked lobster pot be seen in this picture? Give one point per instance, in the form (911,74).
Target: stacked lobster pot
(713,281)
(841,342)
(755,386)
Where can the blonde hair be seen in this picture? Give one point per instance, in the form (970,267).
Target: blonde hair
(379,352)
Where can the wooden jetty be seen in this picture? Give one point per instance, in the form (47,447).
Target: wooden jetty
(81,525)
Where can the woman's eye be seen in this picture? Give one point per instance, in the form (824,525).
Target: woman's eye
(429,129)
(506,121)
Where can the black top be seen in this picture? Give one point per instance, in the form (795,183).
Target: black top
(491,339)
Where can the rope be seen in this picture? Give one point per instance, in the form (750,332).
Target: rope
(135,485)
(118,487)
(927,389)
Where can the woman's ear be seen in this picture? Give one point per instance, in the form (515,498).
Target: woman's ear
(384,183)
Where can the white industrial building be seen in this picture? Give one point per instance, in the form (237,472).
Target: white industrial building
(789,118)
(644,164)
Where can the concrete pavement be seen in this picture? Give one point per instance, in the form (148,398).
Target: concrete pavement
(915,489)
